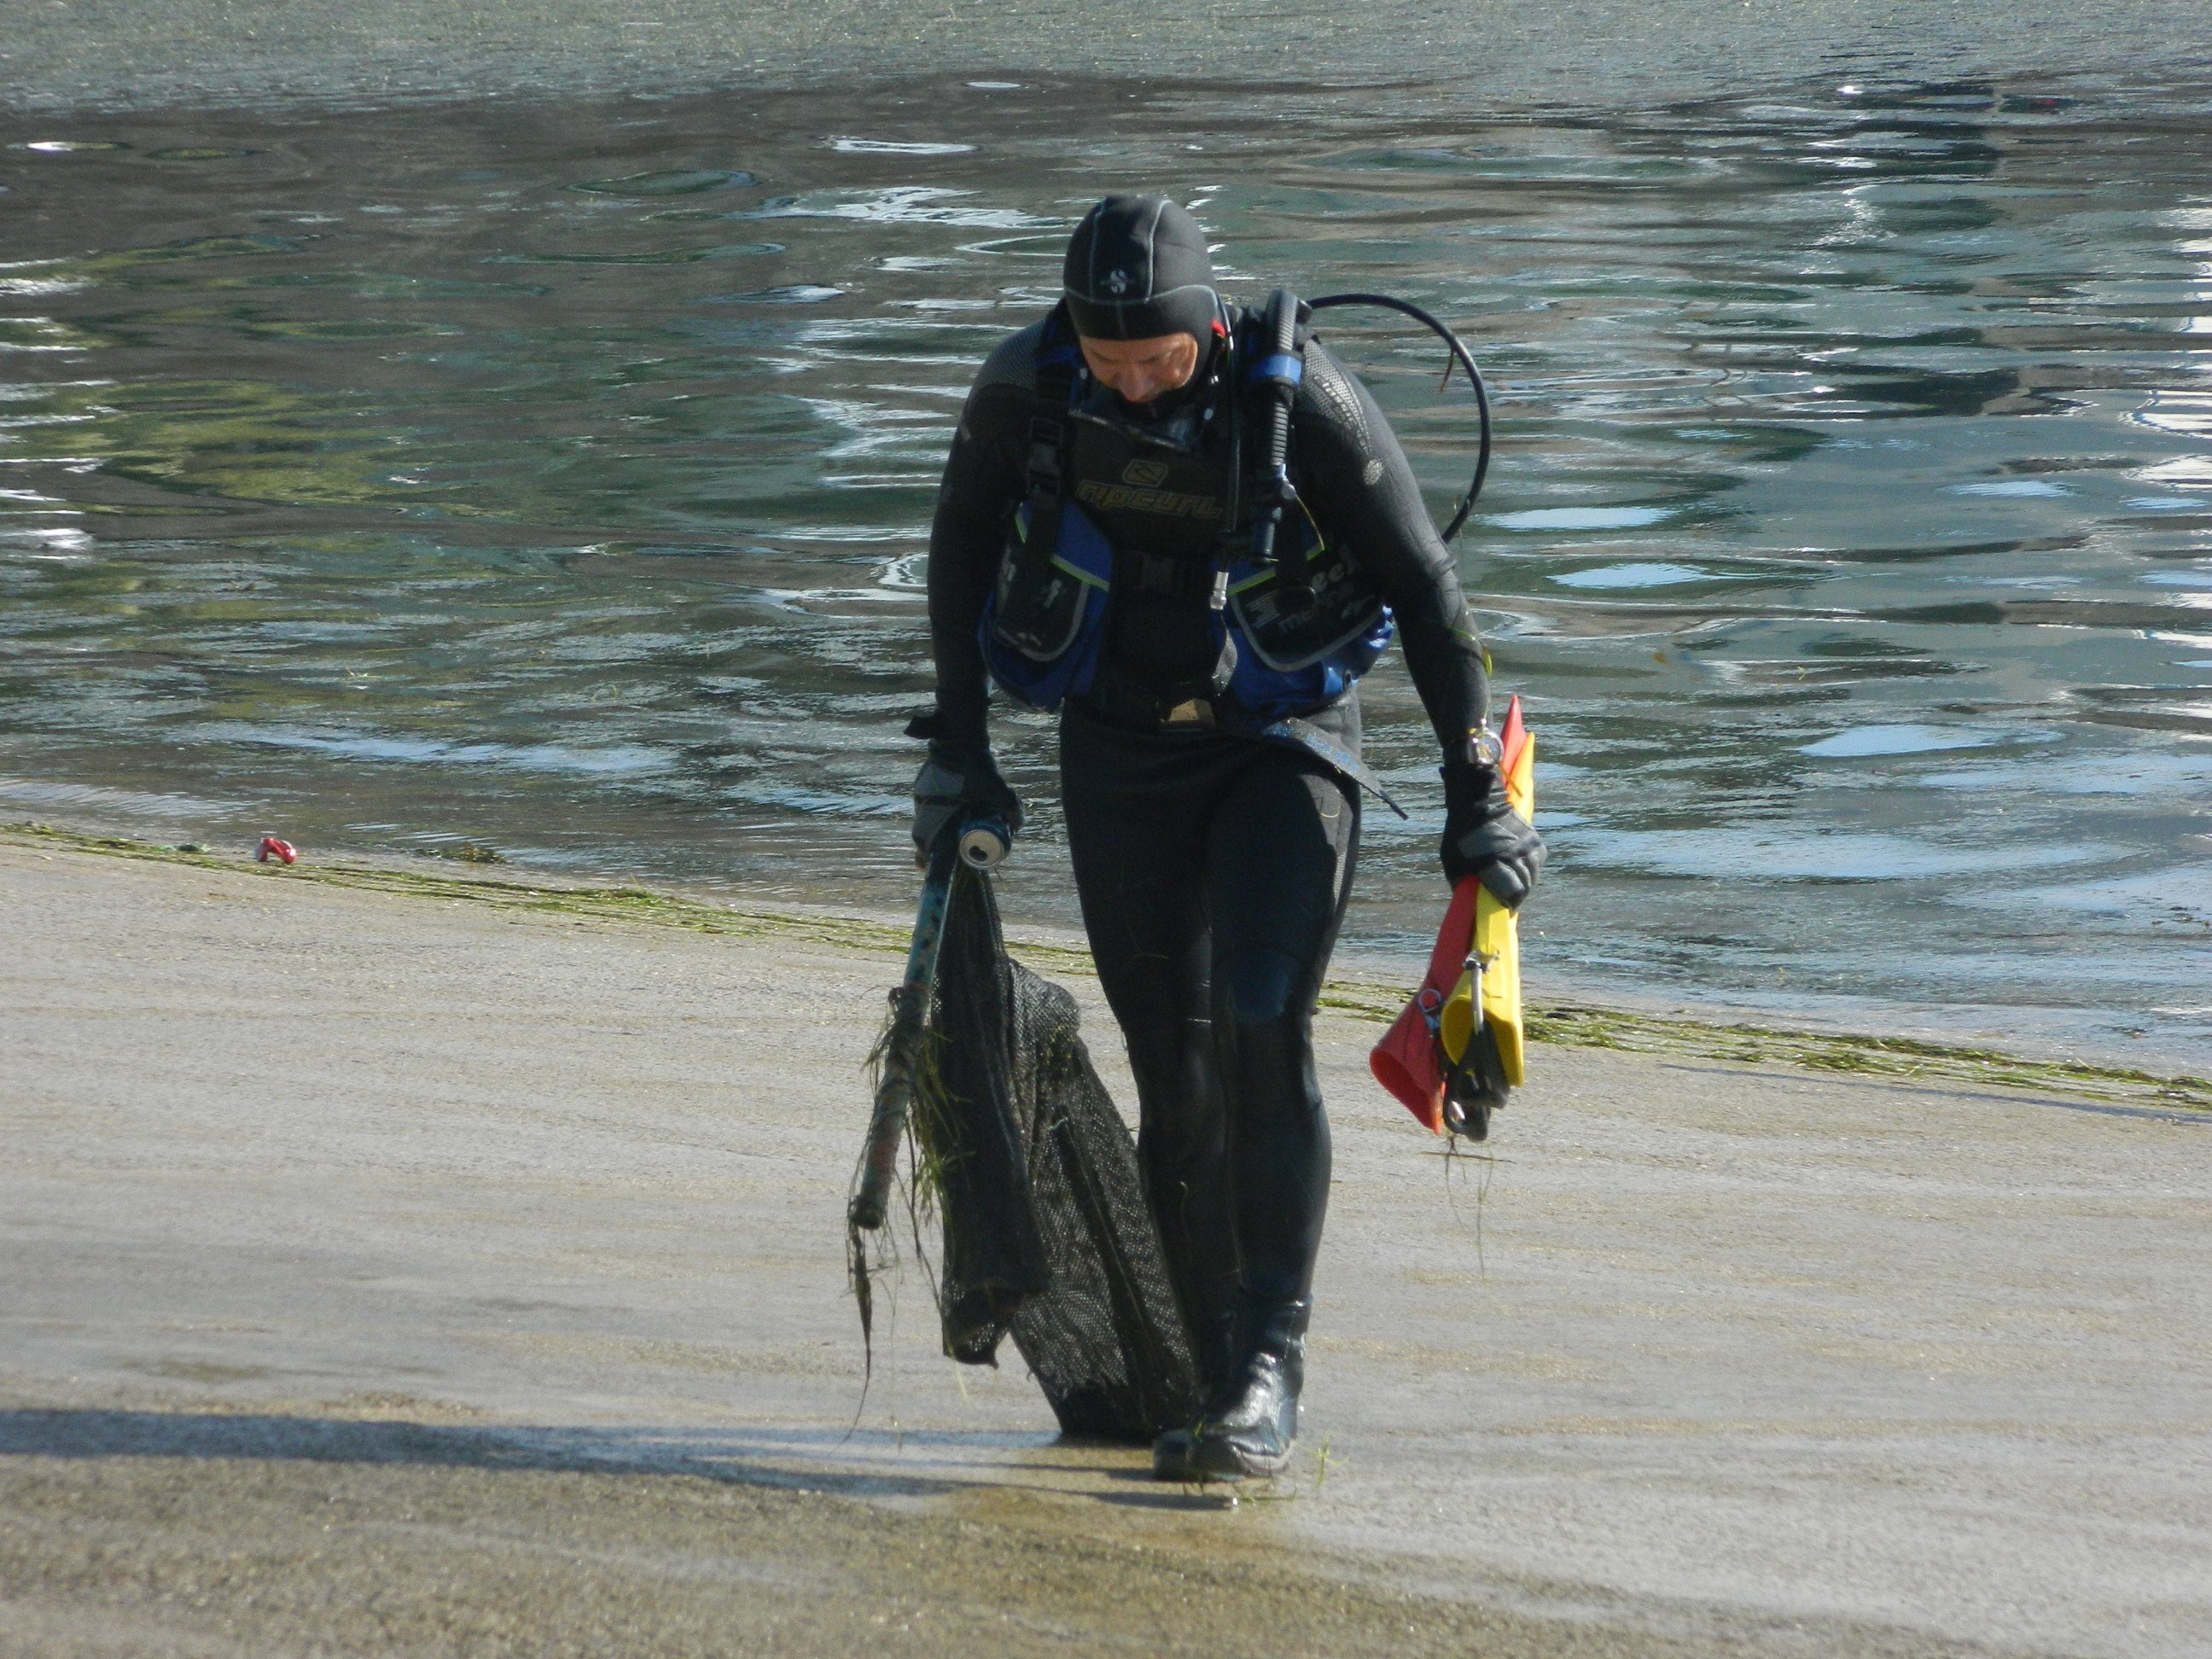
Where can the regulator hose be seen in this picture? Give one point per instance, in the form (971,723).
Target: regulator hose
(1277,375)
(1459,356)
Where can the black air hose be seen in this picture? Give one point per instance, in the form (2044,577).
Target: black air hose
(1459,356)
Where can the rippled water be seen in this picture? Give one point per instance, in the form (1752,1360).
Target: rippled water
(556,477)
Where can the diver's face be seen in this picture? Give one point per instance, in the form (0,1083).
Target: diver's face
(1141,370)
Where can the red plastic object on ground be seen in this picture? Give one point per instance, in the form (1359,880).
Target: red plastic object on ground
(272,847)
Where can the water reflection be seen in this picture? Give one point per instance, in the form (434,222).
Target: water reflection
(558,476)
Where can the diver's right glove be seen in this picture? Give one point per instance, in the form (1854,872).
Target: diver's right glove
(1485,837)
(955,784)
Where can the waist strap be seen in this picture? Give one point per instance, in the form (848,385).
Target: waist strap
(1304,734)
(1189,709)
(1122,699)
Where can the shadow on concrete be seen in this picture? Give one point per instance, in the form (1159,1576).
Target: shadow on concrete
(823,1461)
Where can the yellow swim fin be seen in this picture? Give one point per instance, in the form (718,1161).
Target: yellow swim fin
(1498,934)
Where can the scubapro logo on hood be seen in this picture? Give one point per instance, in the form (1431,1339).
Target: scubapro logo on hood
(1117,283)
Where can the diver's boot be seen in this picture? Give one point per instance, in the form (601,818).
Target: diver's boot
(1212,1341)
(1173,1454)
(1215,1337)
(1211,1304)
(1248,1427)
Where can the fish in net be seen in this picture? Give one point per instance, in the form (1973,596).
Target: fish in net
(1033,1176)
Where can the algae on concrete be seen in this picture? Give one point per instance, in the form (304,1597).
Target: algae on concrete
(1572,1025)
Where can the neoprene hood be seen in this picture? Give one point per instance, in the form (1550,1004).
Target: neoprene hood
(1137,268)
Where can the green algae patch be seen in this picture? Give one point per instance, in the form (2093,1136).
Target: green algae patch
(611,903)
(1565,1024)
(1905,1058)
(1573,1025)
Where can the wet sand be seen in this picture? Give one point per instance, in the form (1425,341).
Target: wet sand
(392,1274)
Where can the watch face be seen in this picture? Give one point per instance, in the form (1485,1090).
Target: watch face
(1483,745)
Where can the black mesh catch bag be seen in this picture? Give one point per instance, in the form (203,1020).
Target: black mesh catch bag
(1047,1236)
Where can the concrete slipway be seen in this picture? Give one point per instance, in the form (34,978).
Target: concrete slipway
(391,1274)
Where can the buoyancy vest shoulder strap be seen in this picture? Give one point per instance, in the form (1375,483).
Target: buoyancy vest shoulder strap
(1058,366)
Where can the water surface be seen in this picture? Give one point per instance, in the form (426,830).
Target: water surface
(556,476)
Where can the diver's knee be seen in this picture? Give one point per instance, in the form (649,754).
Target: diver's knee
(1258,986)
(1273,1065)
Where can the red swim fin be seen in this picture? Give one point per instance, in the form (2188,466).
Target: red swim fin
(1408,1062)
(1513,738)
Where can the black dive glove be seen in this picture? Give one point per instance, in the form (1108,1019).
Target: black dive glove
(1485,837)
(957,784)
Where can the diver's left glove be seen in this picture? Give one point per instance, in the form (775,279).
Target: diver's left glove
(1485,837)
(955,784)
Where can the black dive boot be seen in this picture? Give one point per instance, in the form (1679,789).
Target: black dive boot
(1173,1454)
(1214,1336)
(1201,1263)
(1248,1425)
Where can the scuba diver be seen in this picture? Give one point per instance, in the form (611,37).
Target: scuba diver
(1131,532)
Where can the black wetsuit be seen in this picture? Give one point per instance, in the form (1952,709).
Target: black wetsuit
(1212,868)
